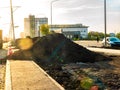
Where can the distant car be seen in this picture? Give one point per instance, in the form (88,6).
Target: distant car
(111,42)
(10,43)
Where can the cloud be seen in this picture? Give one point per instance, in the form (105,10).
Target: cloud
(89,12)
(79,7)
(78,3)
(73,10)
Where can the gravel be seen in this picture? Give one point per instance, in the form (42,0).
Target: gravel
(2,76)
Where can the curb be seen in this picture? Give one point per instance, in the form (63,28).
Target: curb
(56,83)
(8,77)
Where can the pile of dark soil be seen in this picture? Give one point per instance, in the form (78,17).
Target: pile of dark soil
(56,48)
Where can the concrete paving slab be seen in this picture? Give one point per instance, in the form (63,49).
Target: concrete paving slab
(26,75)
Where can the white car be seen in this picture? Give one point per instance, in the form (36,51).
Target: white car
(111,42)
(10,43)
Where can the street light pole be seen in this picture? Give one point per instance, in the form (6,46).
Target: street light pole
(51,10)
(105,20)
(12,22)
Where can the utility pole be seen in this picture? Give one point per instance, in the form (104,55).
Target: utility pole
(105,20)
(51,10)
(12,22)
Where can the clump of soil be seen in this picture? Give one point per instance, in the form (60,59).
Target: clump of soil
(56,48)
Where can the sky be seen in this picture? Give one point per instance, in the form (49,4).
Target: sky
(88,12)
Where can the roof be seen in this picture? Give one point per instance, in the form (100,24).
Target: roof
(69,26)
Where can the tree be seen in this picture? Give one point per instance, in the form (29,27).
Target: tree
(44,28)
(118,35)
(93,35)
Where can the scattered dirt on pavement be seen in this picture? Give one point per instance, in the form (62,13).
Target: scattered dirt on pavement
(2,76)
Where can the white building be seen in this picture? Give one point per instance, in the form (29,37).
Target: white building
(32,24)
(71,30)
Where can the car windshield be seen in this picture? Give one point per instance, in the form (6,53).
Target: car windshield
(114,39)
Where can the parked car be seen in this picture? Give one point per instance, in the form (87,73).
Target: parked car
(111,42)
(10,43)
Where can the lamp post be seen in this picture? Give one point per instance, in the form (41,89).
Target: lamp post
(51,10)
(105,20)
(12,22)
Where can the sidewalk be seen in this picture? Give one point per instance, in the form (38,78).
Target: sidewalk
(26,75)
(107,51)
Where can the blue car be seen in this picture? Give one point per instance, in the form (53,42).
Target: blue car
(111,42)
